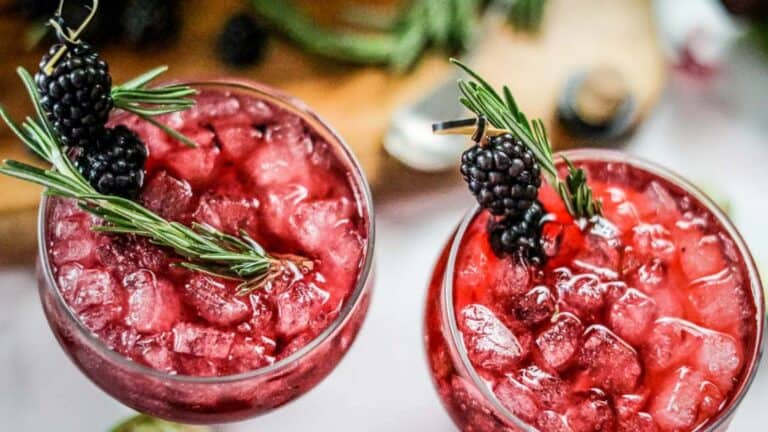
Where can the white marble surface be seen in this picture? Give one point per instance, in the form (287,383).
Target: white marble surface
(716,136)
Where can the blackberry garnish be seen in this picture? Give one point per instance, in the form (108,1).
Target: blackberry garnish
(242,41)
(152,22)
(503,174)
(519,236)
(115,166)
(75,93)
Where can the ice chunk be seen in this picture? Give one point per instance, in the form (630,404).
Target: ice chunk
(214,300)
(658,205)
(63,208)
(248,354)
(632,315)
(258,110)
(228,214)
(262,315)
(152,303)
(195,165)
(711,400)
(669,344)
(559,344)
(124,254)
(653,240)
(550,391)
(75,226)
(629,405)
(650,276)
(720,359)
(700,253)
(583,294)
(317,223)
(237,141)
(517,398)
(278,206)
(167,196)
(719,301)
(346,251)
(619,210)
(676,403)
(201,341)
(490,344)
(97,298)
(297,305)
(512,279)
(640,422)
(201,367)
(551,421)
(66,277)
(593,414)
(210,108)
(95,288)
(535,306)
(159,357)
(81,250)
(611,364)
(600,253)
(281,158)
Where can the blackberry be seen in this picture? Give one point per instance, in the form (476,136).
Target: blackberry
(151,22)
(242,41)
(519,236)
(503,175)
(115,166)
(76,95)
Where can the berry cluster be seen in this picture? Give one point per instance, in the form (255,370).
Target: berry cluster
(75,94)
(242,41)
(504,176)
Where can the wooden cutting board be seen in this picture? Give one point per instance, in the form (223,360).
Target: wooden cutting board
(358,101)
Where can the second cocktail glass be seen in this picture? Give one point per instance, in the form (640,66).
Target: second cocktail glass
(651,321)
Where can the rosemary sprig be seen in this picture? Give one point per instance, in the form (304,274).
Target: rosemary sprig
(445,24)
(134,96)
(503,113)
(400,40)
(205,248)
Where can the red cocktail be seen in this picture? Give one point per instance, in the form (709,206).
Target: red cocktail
(181,344)
(650,319)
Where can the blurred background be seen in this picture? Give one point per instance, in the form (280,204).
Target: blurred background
(682,83)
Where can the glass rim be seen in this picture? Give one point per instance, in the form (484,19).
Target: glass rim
(317,124)
(753,362)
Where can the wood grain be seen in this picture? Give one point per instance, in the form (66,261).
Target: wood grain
(359,101)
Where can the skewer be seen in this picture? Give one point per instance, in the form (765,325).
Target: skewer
(468,126)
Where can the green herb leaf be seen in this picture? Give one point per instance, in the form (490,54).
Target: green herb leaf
(503,113)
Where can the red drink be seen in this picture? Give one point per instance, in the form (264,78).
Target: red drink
(181,344)
(650,320)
